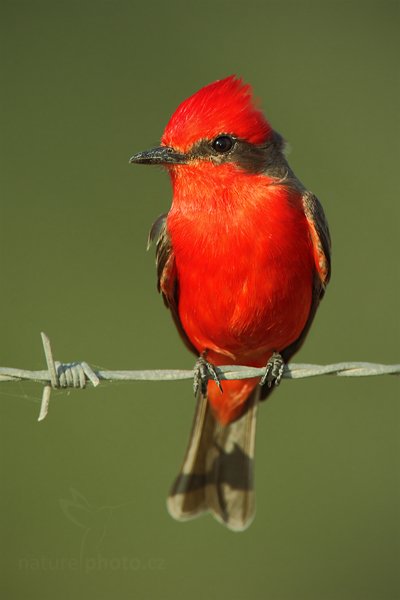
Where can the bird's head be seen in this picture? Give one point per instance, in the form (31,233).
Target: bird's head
(220,124)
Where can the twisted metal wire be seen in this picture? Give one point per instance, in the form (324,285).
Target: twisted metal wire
(78,374)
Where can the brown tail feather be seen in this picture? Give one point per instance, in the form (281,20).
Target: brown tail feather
(217,471)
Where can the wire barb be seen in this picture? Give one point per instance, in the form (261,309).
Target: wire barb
(78,374)
(63,375)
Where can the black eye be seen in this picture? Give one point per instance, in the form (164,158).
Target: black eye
(222,143)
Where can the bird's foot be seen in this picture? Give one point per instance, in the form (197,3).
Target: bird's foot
(203,372)
(273,370)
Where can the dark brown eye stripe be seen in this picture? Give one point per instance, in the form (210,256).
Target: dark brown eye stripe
(253,158)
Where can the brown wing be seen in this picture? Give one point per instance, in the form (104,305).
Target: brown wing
(321,240)
(167,280)
(320,237)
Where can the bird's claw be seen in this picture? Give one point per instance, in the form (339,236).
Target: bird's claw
(203,372)
(273,370)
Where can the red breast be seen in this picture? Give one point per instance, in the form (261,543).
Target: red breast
(244,263)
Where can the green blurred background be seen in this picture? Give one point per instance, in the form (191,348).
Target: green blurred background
(84,86)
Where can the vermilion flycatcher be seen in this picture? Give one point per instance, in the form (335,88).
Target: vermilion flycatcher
(243,259)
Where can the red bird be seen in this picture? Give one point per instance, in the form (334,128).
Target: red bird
(243,259)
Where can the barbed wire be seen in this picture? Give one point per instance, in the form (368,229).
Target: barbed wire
(78,374)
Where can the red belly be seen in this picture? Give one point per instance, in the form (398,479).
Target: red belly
(245,288)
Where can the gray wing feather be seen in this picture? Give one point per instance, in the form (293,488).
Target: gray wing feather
(167,281)
(319,234)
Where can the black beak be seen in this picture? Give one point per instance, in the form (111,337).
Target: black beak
(159,156)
